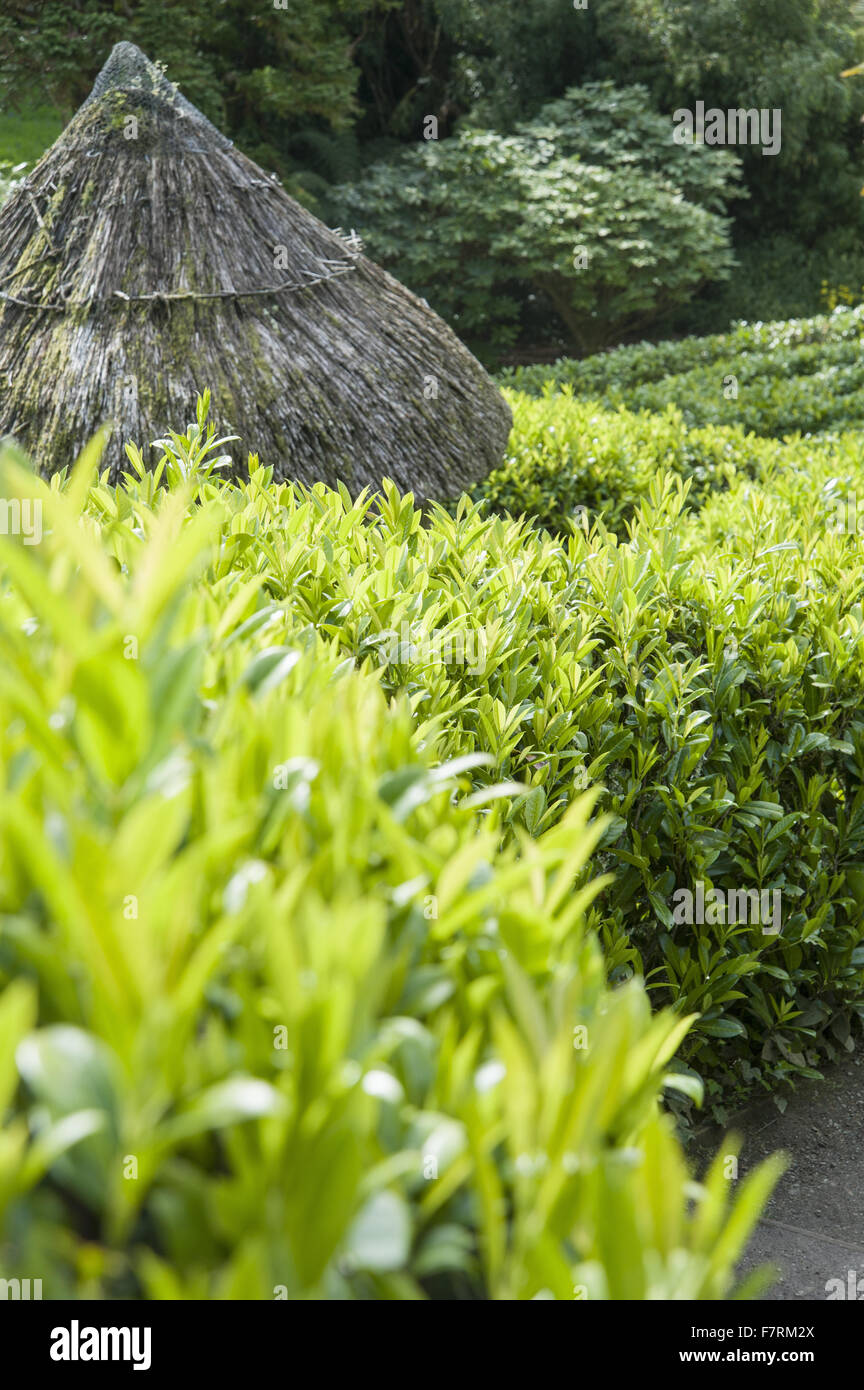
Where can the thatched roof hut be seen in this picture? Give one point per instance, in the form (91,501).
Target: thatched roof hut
(144,259)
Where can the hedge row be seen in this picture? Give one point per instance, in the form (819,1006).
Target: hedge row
(570,460)
(800,376)
(297,997)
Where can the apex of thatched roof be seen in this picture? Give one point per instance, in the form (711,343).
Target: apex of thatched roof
(129,82)
(145,259)
(128,69)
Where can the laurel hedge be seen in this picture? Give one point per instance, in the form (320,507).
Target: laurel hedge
(301,992)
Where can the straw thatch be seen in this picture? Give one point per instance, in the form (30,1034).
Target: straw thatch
(145,259)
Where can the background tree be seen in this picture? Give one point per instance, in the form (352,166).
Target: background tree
(320,91)
(484,223)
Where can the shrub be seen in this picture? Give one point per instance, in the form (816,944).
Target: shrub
(706,673)
(712,686)
(609,221)
(289,1003)
(804,375)
(776,277)
(568,459)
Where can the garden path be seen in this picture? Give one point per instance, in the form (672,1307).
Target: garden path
(813,1227)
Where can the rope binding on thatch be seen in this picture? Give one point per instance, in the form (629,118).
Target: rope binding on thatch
(340,268)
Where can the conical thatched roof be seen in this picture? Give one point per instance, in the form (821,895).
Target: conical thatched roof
(145,259)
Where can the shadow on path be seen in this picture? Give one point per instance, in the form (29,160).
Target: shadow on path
(813,1227)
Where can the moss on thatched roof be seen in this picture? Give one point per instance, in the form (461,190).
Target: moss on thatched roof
(145,258)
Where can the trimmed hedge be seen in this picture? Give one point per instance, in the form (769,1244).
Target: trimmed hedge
(801,376)
(296,993)
(707,673)
(308,983)
(569,460)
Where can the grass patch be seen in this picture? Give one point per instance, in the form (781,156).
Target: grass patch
(26,134)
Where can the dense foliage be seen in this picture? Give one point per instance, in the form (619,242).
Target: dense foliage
(341,842)
(570,458)
(737,53)
(776,379)
(590,207)
(319,90)
(298,997)
(269,80)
